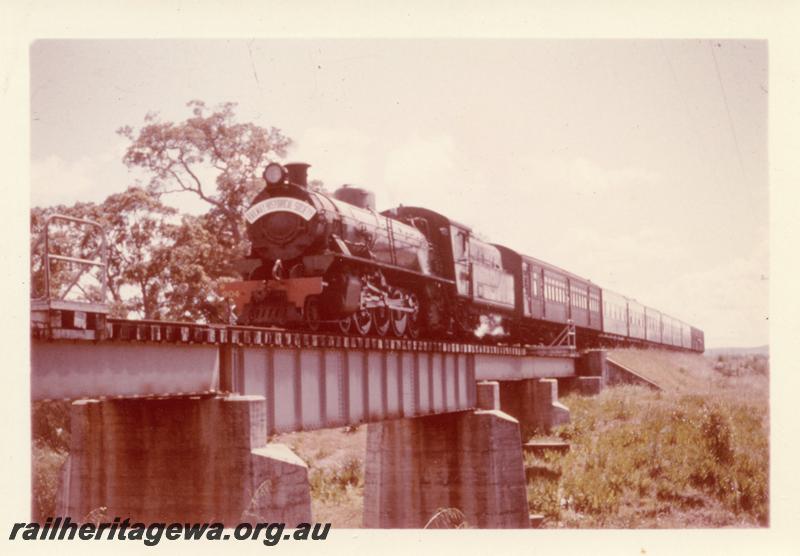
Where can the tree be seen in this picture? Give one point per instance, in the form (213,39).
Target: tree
(139,230)
(162,264)
(197,266)
(65,239)
(179,156)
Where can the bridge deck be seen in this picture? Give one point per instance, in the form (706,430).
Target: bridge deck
(309,380)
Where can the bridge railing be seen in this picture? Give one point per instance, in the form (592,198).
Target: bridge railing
(99,259)
(59,305)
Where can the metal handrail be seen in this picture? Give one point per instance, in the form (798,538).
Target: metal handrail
(48,256)
(567,337)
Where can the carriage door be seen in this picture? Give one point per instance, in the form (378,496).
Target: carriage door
(460,241)
(532,290)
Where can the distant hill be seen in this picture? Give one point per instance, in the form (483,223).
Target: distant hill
(760,350)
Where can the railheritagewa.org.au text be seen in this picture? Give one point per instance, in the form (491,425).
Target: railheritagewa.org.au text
(151,534)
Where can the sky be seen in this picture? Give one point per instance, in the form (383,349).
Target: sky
(640,164)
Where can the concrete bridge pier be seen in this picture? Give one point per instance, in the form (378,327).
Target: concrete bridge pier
(469,460)
(534,402)
(592,372)
(186,459)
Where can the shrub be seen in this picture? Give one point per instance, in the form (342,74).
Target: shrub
(50,445)
(50,424)
(637,454)
(46,463)
(332,484)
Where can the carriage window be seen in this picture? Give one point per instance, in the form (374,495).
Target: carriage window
(594,302)
(578,298)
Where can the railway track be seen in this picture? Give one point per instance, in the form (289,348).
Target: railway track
(174,332)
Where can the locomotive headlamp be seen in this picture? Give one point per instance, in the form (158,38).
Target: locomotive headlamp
(274,173)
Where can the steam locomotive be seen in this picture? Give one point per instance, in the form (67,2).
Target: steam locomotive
(331,261)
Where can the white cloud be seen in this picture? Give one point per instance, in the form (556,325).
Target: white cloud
(56,181)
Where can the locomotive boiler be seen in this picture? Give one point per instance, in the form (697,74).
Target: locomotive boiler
(318,258)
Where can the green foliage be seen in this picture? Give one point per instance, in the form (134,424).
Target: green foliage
(198,263)
(50,424)
(138,231)
(544,484)
(51,435)
(334,483)
(739,365)
(46,474)
(65,239)
(180,156)
(637,454)
(171,266)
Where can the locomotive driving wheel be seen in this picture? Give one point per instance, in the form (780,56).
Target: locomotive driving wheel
(346,325)
(311,312)
(382,320)
(399,318)
(413,320)
(362,321)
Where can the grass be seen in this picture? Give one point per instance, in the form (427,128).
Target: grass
(50,446)
(46,470)
(335,459)
(675,458)
(735,378)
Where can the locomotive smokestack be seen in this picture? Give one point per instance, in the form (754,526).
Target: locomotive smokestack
(298,173)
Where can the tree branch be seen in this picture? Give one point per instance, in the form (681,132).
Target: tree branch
(192,175)
(199,189)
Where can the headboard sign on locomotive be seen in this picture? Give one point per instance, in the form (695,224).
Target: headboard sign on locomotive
(331,261)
